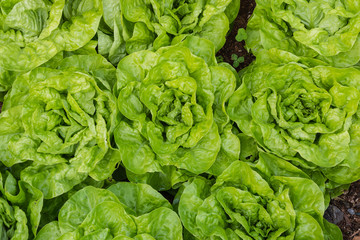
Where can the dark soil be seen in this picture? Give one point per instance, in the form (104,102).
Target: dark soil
(234,47)
(344,210)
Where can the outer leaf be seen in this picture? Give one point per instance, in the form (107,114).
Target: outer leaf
(139,199)
(20,207)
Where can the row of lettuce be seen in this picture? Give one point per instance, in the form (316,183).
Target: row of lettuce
(254,155)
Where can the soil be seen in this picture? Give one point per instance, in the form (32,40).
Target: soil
(344,210)
(234,47)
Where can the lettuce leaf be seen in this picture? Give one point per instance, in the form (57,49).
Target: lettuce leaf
(20,207)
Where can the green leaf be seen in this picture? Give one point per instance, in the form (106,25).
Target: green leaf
(20,207)
(139,199)
(241,35)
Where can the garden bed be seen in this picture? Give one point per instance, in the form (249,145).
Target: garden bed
(344,210)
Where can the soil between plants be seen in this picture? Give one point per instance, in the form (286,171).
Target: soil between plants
(234,47)
(344,210)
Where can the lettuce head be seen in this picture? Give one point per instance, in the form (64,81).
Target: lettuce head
(134,25)
(123,211)
(56,123)
(321,29)
(34,31)
(307,115)
(173,103)
(245,203)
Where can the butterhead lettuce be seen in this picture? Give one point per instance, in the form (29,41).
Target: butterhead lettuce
(166,98)
(255,155)
(317,29)
(58,123)
(308,116)
(20,207)
(134,25)
(173,103)
(123,211)
(34,31)
(243,203)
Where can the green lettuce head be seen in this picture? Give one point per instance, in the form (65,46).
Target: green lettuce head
(20,207)
(134,25)
(124,211)
(309,116)
(34,31)
(243,203)
(58,124)
(173,103)
(321,29)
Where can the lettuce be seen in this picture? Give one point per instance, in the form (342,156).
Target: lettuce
(244,203)
(57,124)
(173,103)
(251,155)
(326,30)
(34,31)
(20,206)
(309,116)
(134,25)
(51,207)
(123,211)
